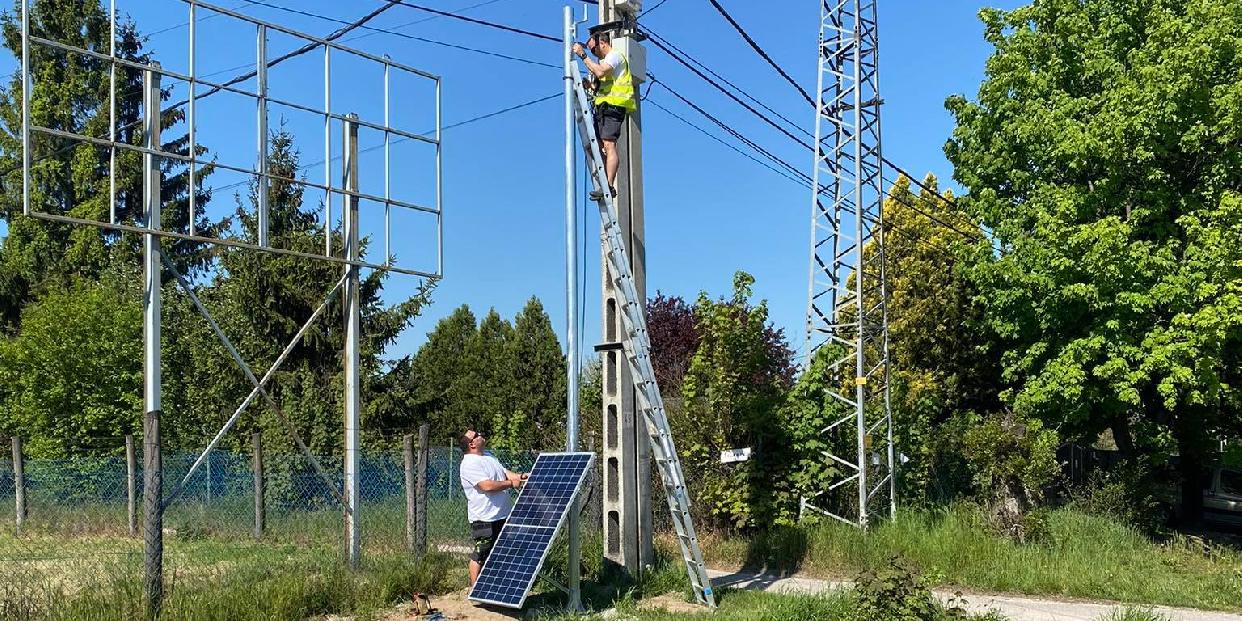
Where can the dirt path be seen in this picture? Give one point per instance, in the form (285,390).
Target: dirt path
(1014,608)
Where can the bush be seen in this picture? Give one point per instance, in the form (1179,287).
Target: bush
(895,592)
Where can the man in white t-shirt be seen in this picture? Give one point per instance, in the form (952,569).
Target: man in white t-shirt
(486,484)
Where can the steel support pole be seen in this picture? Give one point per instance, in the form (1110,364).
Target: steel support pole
(261,105)
(353,315)
(153,514)
(571,306)
(860,280)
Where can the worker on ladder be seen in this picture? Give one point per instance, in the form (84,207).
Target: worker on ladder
(614,97)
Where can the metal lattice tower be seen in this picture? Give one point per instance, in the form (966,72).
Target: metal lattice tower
(846,306)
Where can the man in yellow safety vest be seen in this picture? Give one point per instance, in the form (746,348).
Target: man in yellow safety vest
(614,98)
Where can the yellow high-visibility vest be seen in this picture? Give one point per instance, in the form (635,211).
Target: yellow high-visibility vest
(617,89)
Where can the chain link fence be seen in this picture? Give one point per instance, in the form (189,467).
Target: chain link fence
(83,516)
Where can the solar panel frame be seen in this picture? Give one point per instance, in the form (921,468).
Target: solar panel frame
(511,527)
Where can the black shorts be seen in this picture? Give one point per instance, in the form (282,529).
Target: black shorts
(608,121)
(484,534)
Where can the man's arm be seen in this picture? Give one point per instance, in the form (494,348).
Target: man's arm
(490,485)
(598,70)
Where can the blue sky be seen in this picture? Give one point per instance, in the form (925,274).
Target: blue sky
(710,211)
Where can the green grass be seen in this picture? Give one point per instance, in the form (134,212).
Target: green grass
(1135,614)
(218,580)
(759,606)
(1082,556)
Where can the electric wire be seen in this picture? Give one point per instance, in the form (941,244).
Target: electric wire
(410,37)
(739,89)
(758,50)
(423,20)
(728,94)
(472,20)
(656,6)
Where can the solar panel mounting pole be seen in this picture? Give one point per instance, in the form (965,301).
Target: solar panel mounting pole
(353,312)
(571,315)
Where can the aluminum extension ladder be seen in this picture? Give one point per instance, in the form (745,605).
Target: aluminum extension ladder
(637,348)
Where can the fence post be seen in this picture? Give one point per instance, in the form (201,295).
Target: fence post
(19,483)
(420,537)
(131,485)
(260,504)
(410,511)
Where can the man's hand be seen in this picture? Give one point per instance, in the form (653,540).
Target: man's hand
(516,480)
(579,51)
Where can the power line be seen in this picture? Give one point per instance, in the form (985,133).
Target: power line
(425,19)
(759,50)
(375,30)
(739,89)
(732,147)
(683,62)
(185,25)
(657,5)
(472,20)
(733,132)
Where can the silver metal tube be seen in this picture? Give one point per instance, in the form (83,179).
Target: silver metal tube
(190,118)
(571,305)
(353,332)
(387,175)
(112,111)
(26,146)
(153,541)
(261,105)
(327,150)
(439,184)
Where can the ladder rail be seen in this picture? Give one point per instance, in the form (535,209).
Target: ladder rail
(637,350)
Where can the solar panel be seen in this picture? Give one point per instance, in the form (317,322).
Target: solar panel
(523,544)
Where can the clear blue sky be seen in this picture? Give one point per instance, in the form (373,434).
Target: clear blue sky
(710,212)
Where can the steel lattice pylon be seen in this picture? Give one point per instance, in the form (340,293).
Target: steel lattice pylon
(846,305)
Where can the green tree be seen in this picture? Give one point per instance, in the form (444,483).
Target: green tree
(1103,153)
(71,93)
(730,398)
(488,384)
(942,360)
(435,376)
(74,372)
(538,380)
(260,301)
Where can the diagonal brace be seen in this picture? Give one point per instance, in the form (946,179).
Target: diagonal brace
(280,413)
(228,425)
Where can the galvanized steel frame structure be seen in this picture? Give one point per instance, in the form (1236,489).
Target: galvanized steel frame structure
(349,257)
(847,296)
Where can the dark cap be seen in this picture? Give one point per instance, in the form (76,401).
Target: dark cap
(605,27)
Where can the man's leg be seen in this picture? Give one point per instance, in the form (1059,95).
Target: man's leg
(474,571)
(612,161)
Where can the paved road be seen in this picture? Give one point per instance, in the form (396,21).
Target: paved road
(1015,608)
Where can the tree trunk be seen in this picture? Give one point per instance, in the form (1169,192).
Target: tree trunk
(1192,465)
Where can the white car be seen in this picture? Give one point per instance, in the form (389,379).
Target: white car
(1222,500)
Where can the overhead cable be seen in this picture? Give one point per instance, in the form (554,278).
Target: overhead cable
(755,46)
(410,37)
(472,20)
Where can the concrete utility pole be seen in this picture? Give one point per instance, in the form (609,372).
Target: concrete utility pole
(627,453)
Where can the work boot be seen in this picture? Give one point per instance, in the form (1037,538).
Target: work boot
(596,195)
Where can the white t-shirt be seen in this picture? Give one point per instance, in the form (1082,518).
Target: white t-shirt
(613,60)
(484,506)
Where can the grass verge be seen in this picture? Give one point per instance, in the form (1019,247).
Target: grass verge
(1081,556)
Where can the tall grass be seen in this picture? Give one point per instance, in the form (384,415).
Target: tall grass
(229,583)
(1081,556)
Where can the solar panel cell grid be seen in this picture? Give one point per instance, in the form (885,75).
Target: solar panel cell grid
(523,544)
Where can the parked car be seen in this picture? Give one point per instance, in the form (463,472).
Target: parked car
(1222,500)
